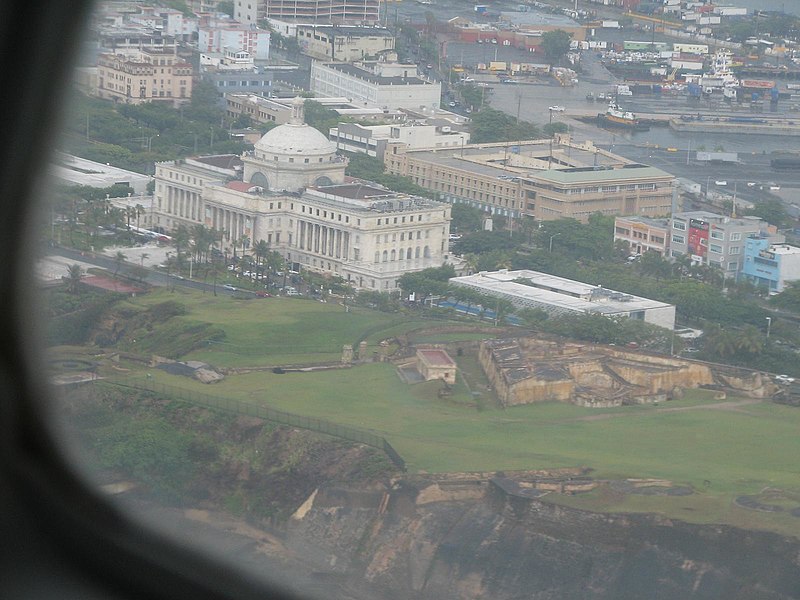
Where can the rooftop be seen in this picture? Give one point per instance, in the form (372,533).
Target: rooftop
(436,357)
(709,217)
(600,174)
(354,71)
(351,31)
(662,223)
(557,292)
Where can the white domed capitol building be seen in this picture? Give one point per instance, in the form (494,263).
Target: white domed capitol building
(291,191)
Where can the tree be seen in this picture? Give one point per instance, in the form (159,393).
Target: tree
(490,125)
(119,258)
(465,218)
(789,298)
(73,278)
(555,44)
(772,211)
(654,265)
(225,6)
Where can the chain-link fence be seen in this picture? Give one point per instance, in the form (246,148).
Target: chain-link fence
(262,412)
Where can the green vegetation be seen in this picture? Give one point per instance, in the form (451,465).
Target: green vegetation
(555,44)
(134,136)
(490,125)
(373,169)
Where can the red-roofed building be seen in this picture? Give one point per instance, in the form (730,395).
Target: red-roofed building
(434,363)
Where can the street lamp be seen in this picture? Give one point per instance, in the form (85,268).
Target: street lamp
(551,241)
(769,324)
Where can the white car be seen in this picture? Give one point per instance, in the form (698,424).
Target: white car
(229,287)
(785,379)
(557,108)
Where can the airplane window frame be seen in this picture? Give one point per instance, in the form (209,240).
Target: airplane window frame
(57,530)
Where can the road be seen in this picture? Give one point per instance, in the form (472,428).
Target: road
(154,277)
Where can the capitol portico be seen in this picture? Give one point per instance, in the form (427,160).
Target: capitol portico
(291,192)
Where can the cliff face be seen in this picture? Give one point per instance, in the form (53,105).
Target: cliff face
(506,548)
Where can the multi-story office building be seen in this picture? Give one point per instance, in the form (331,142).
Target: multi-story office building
(309,11)
(378,84)
(546,179)
(770,265)
(344,43)
(291,192)
(279,110)
(643,234)
(138,76)
(375,139)
(711,239)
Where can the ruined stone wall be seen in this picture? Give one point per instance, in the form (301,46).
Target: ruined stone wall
(532,390)
(660,380)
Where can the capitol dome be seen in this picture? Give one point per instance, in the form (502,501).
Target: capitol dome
(295,137)
(293,156)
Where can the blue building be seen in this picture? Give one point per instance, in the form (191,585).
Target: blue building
(770,265)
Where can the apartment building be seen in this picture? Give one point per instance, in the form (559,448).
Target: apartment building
(643,234)
(236,37)
(770,265)
(711,239)
(147,75)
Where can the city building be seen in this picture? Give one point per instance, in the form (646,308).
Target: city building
(74,170)
(435,363)
(546,179)
(375,139)
(344,43)
(236,37)
(291,191)
(279,110)
(770,265)
(360,12)
(711,239)
(643,234)
(137,76)
(378,84)
(558,296)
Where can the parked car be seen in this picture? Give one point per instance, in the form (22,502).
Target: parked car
(229,287)
(784,379)
(557,108)
(262,294)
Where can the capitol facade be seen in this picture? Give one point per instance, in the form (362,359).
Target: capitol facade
(291,191)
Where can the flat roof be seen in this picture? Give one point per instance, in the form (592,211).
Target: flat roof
(436,357)
(589,174)
(354,71)
(662,223)
(355,30)
(558,292)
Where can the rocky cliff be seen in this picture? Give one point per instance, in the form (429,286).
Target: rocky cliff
(489,544)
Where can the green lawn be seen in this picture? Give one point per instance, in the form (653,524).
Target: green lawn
(722,453)
(274,331)
(739,451)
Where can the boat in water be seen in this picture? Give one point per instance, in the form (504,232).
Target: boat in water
(615,116)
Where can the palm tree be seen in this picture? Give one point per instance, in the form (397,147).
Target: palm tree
(119,258)
(749,340)
(260,251)
(180,238)
(73,278)
(216,270)
(139,212)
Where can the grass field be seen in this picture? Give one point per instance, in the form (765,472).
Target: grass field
(275,331)
(722,449)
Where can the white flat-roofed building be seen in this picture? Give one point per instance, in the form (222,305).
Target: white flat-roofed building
(375,139)
(557,295)
(382,85)
(73,170)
